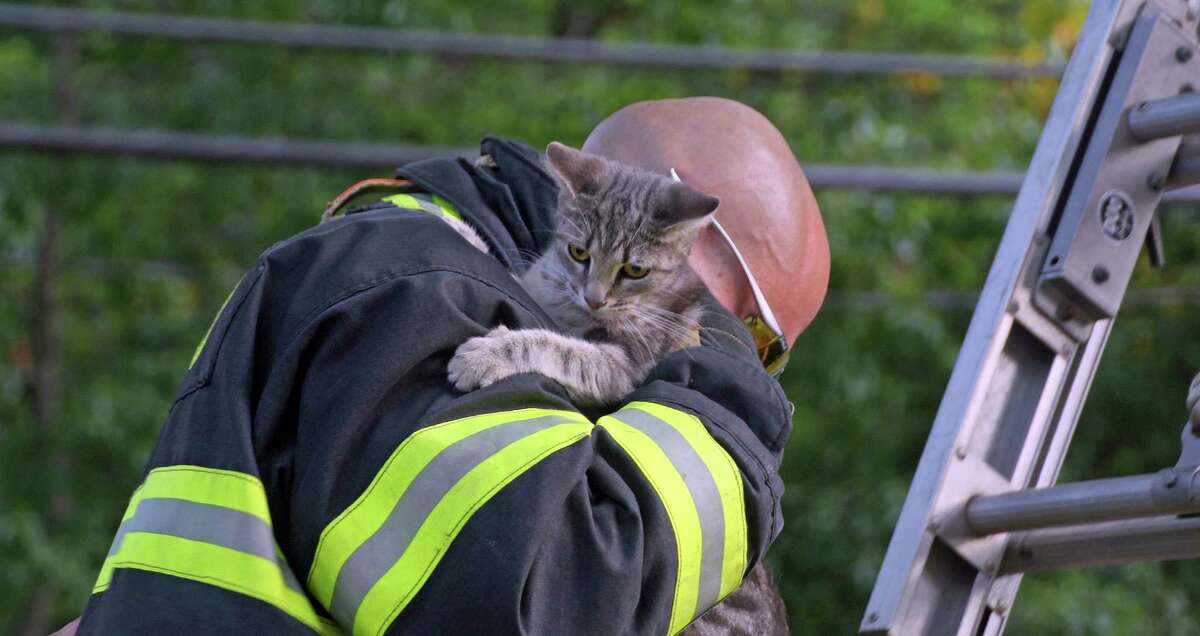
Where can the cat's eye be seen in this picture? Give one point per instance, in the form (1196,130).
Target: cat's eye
(578,253)
(634,271)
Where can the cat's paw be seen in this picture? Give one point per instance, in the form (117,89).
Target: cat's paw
(482,361)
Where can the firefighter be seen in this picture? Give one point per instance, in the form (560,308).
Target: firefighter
(317,473)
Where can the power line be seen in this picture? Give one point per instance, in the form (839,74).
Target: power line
(198,147)
(110,267)
(564,50)
(963,300)
(837,299)
(283,151)
(881,178)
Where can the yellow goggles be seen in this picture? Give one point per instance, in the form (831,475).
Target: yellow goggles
(772,347)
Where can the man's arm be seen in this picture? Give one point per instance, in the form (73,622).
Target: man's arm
(403,506)
(505,509)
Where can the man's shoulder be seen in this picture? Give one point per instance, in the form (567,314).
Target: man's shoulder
(379,241)
(385,247)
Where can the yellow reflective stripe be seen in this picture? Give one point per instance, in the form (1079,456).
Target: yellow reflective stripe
(393,592)
(403,201)
(421,203)
(447,207)
(200,484)
(105,577)
(371,509)
(222,567)
(204,340)
(671,489)
(728,480)
(233,549)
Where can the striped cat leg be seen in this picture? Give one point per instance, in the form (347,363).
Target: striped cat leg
(591,372)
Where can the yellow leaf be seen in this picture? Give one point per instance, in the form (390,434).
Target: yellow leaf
(871,12)
(923,84)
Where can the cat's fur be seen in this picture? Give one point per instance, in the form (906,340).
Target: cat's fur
(614,327)
(619,214)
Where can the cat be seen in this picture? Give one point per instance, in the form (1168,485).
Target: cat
(615,279)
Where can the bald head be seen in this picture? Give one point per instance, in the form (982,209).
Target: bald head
(729,150)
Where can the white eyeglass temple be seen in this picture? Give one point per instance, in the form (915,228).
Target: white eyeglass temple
(767,315)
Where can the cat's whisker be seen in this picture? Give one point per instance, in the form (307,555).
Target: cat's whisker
(574,226)
(670,328)
(656,318)
(522,254)
(641,224)
(709,329)
(641,338)
(687,321)
(665,316)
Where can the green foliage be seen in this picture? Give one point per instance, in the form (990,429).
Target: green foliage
(151,248)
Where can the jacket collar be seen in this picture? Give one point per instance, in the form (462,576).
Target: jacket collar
(510,201)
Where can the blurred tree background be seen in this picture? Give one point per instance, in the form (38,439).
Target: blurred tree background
(147,249)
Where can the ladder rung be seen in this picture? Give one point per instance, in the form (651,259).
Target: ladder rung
(1179,115)
(1169,491)
(1165,538)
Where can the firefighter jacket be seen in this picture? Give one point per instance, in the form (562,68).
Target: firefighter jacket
(318,473)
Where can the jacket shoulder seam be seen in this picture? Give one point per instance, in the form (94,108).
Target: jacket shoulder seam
(366,285)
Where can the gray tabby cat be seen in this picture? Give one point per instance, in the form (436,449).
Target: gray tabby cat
(615,279)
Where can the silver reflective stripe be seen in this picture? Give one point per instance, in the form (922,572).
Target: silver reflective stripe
(217,525)
(377,554)
(427,204)
(704,493)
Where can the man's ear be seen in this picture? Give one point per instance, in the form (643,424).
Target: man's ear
(686,208)
(580,172)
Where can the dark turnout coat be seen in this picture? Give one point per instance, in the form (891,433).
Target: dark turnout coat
(317,472)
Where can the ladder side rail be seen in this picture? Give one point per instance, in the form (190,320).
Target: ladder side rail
(1044,182)
(1020,380)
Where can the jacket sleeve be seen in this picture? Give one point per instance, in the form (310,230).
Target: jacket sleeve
(507,510)
(197,549)
(398,505)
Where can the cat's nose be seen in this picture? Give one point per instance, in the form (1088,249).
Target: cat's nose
(595,295)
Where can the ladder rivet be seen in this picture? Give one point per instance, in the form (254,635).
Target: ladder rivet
(960,452)
(1183,54)
(1155,181)
(872,617)
(1100,274)
(1172,480)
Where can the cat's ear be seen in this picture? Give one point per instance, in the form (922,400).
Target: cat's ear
(686,208)
(580,172)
